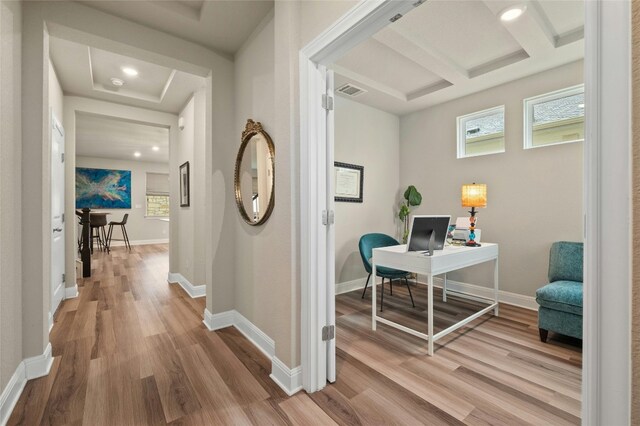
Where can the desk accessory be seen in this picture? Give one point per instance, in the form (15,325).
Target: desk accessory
(474,196)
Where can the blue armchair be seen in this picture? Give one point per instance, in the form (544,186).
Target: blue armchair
(366,245)
(561,300)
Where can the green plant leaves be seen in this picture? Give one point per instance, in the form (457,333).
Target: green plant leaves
(404,212)
(413,197)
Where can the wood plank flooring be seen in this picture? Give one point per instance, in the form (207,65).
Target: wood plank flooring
(132,350)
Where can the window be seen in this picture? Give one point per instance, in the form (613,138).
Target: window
(481,133)
(157,195)
(554,118)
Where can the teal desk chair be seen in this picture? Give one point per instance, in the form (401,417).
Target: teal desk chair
(366,245)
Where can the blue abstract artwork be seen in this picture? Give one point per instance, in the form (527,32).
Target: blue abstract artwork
(103,188)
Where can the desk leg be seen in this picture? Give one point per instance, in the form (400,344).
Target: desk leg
(430,315)
(444,289)
(495,287)
(374,284)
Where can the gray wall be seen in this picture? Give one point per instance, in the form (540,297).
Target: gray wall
(371,138)
(139,228)
(10,182)
(191,235)
(534,196)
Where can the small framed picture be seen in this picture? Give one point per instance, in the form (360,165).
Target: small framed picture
(349,181)
(185,198)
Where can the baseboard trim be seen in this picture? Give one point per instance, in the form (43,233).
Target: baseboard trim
(506,297)
(11,393)
(290,380)
(139,242)
(71,292)
(30,368)
(194,291)
(347,286)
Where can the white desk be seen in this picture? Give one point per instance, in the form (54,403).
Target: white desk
(442,261)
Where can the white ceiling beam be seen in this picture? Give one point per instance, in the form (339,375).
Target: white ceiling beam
(417,50)
(531,30)
(366,81)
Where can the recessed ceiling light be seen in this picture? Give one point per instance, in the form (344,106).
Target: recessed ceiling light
(130,71)
(512,12)
(118,82)
(136,154)
(155,148)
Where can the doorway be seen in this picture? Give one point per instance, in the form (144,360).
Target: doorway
(316,133)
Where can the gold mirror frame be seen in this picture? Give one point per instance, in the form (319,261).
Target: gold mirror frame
(253,128)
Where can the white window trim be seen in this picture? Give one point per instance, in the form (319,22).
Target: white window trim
(461,130)
(529,103)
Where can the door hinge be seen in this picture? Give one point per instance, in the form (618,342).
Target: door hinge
(327,102)
(328,332)
(62,157)
(62,217)
(64,277)
(328,217)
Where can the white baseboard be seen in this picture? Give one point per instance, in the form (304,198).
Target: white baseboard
(192,290)
(522,301)
(290,380)
(348,286)
(71,292)
(140,242)
(11,393)
(30,368)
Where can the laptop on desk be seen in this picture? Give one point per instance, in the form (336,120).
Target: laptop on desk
(428,233)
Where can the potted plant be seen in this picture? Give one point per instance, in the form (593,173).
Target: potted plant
(412,198)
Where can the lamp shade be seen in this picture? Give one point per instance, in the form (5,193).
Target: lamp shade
(474,195)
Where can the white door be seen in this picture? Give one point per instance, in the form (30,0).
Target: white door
(57,214)
(331,242)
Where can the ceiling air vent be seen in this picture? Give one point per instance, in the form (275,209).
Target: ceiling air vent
(351,90)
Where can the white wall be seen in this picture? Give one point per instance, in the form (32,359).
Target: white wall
(371,138)
(139,228)
(191,146)
(534,196)
(10,183)
(56,97)
(262,252)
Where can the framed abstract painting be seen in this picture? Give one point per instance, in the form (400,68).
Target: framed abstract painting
(103,188)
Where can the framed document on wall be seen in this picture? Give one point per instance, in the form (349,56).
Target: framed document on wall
(185,196)
(348,182)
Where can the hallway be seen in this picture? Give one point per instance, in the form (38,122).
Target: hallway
(132,349)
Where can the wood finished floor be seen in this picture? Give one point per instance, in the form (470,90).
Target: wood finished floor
(132,350)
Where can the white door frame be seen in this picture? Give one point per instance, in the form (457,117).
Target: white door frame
(602,28)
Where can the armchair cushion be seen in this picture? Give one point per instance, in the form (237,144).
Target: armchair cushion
(565,296)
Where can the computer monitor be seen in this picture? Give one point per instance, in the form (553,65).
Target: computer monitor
(423,227)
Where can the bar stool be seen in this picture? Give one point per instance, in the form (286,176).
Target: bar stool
(125,236)
(98,223)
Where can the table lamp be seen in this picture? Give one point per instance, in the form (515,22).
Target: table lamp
(475,196)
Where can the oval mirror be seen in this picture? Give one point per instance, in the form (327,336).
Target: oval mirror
(254,174)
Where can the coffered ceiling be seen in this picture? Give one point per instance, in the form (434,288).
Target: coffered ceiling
(220,25)
(443,50)
(87,71)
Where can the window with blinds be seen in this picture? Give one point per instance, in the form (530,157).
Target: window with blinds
(157,195)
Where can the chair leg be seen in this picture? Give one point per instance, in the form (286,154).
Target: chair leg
(104,236)
(543,335)
(125,237)
(109,235)
(382,295)
(365,286)
(390,286)
(410,295)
